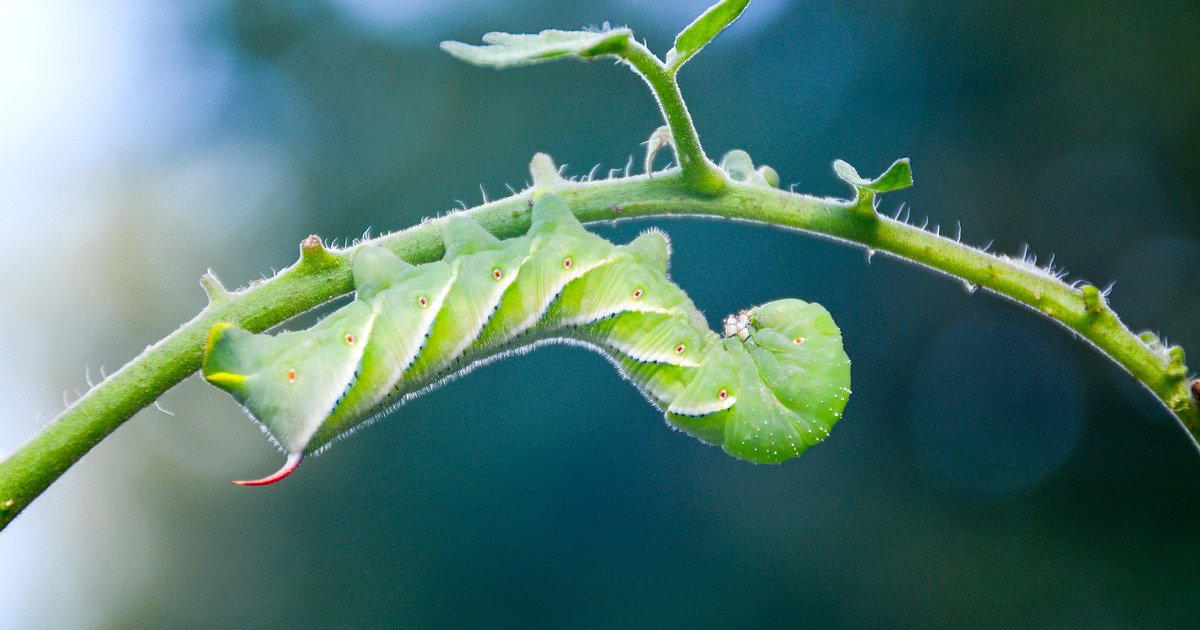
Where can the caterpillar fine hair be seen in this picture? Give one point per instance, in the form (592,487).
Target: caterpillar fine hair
(771,385)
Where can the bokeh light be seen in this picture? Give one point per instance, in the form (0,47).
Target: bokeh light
(995,411)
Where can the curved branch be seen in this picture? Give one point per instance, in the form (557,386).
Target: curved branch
(321,275)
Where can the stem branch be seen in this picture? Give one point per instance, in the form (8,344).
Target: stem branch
(704,176)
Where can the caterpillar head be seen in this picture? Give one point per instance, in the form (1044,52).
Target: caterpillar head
(774,386)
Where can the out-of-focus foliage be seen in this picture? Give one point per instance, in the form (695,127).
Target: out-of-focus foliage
(502,50)
(988,469)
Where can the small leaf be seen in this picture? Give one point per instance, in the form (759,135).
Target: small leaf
(659,139)
(703,29)
(740,168)
(769,176)
(898,176)
(503,50)
(738,165)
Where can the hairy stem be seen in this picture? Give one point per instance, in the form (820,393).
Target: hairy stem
(321,275)
(698,170)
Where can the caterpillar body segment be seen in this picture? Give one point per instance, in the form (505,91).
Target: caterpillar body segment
(772,385)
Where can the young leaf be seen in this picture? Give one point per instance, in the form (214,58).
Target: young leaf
(897,176)
(659,139)
(701,31)
(503,50)
(740,168)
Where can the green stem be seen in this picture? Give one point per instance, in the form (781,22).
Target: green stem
(704,176)
(320,276)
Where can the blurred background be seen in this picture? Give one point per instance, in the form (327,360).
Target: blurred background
(990,469)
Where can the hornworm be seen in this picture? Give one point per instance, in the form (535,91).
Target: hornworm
(773,384)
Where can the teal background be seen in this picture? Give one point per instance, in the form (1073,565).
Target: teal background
(990,469)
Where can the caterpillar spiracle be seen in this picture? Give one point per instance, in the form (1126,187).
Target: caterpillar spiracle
(771,385)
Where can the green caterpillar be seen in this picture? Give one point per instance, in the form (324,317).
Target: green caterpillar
(773,385)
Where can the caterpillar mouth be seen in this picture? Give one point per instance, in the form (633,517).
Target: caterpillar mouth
(289,467)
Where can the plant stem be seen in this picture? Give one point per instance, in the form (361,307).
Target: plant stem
(704,176)
(320,276)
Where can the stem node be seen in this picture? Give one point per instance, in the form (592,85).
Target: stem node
(1093,302)
(1176,370)
(543,172)
(313,255)
(213,288)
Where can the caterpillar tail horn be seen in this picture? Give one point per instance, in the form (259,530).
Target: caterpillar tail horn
(289,467)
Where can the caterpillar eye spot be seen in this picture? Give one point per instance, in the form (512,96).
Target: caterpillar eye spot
(291,375)
(423,301)
(680,348)
(637,293)
(723,394)
(497,274)
(799,340)
(349,339)
(568,262)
